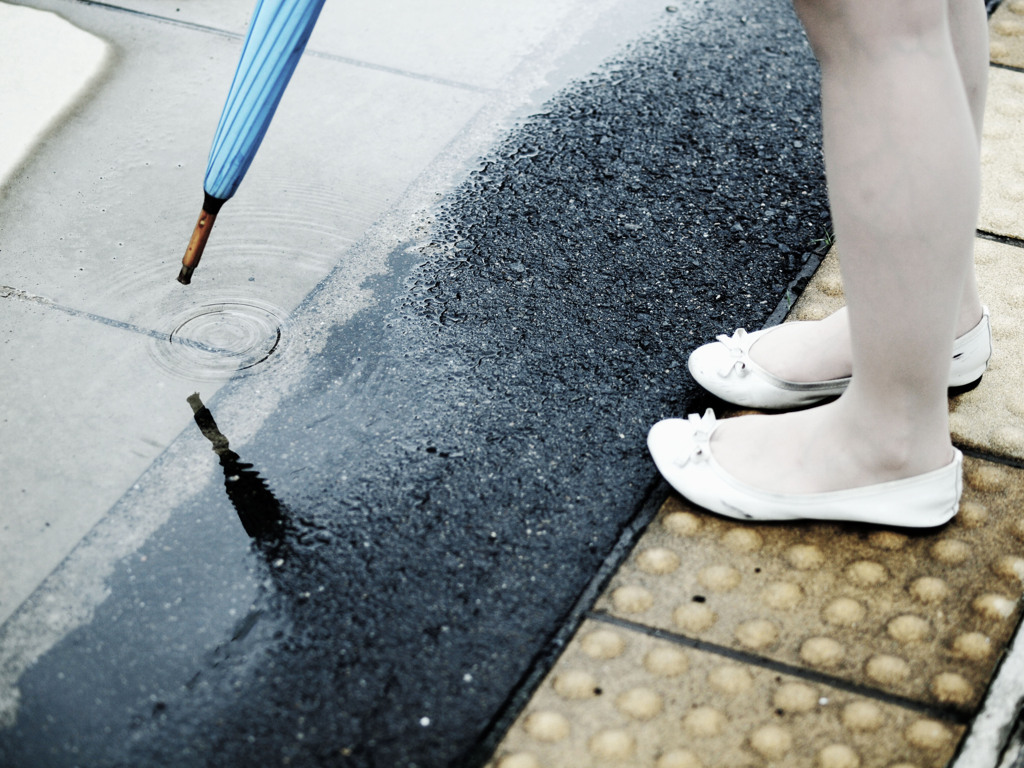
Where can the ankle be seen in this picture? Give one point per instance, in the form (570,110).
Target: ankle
(893,442)
(970,315)
(806,351)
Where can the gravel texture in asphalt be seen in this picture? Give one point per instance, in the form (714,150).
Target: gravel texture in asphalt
(460,460)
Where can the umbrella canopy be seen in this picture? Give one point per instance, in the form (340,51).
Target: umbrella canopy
(277,36)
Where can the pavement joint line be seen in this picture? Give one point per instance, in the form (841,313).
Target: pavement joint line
(1016,242)
(156,17)
(403,72)
(1010,67)
(7,292)
(793,290)
(309,52)
(976,453)
(950,715)
(542,664)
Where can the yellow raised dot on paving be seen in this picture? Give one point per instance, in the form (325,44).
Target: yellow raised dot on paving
(656,703)
(1002,155)
(1006,43)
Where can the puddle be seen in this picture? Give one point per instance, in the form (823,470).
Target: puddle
(268,256)
(220,339)
(259,511)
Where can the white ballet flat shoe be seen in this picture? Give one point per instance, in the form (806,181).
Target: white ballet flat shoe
(682,452)
(724,369)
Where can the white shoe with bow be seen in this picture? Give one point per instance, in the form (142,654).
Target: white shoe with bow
(725,369)
(682,452)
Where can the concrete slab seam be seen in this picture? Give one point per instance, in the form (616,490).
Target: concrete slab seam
(8,292)
(773,665)
(167,19)
(1010,67)
(1001,239)
(994,458)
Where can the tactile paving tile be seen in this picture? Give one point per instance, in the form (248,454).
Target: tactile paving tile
(1002,155)
(991,416)
(824,292)
(918,615)
(1006,30)
(620,697)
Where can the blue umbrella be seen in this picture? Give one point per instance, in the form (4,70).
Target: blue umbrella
(277,36)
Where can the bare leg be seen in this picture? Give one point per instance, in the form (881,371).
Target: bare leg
(901,154)
(817,351)
(968,21)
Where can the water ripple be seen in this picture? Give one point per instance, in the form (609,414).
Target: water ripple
(220,339)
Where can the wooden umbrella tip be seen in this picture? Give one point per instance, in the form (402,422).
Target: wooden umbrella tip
(185,275)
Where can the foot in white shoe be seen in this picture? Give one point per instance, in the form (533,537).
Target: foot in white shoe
(683,451)
(729,369)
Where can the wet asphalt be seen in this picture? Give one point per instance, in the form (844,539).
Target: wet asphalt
(379,574)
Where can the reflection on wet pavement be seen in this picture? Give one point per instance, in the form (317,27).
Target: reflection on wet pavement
(262,515)
(95,219)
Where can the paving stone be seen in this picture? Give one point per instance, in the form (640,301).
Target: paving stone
(991,416)
(918,615)
(621,697)
(823,294)
(1006,43)
(1002,155)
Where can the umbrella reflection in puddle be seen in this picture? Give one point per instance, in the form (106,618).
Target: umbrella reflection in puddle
(261,514)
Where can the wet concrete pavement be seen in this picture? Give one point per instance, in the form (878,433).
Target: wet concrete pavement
(408,508)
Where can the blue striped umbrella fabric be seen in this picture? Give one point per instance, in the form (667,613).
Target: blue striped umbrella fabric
(277,36)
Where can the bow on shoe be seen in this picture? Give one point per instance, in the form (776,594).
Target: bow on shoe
(738,345)
(702,426)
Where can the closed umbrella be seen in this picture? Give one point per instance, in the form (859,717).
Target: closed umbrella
(277,36)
